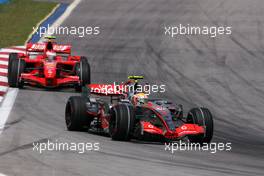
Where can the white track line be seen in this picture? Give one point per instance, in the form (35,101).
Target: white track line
(63,17)
(39,23)
(6,106)
(2,174)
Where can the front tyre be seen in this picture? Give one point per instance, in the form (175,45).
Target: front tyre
(12,56)
(75,114)
(16,67)
(121,123)
(82,70)
(201,117)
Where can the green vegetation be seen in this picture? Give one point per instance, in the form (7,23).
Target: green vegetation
(18,18)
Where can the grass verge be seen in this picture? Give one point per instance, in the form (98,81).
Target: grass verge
(18,18)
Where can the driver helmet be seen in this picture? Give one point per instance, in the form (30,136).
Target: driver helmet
(51,55)
(140,98)
(50,41)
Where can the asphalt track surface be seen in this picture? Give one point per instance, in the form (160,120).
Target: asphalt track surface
(224,74)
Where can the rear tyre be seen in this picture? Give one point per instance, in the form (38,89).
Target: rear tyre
(75,114)
(121,124)
(82,70)
(17,67)
(201,117)
(12,56)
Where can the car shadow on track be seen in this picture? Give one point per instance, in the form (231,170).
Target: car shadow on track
(134,141)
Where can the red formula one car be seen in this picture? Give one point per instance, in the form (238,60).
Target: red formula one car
(48,65)
(133,115)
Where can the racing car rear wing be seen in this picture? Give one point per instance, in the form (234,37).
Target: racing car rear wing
(106,89)
(113,89)
(65,49)
(36,47)
(99,89)
(41,47)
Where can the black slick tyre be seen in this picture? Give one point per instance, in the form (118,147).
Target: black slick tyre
(121,123)
(201,117)
(75,114)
